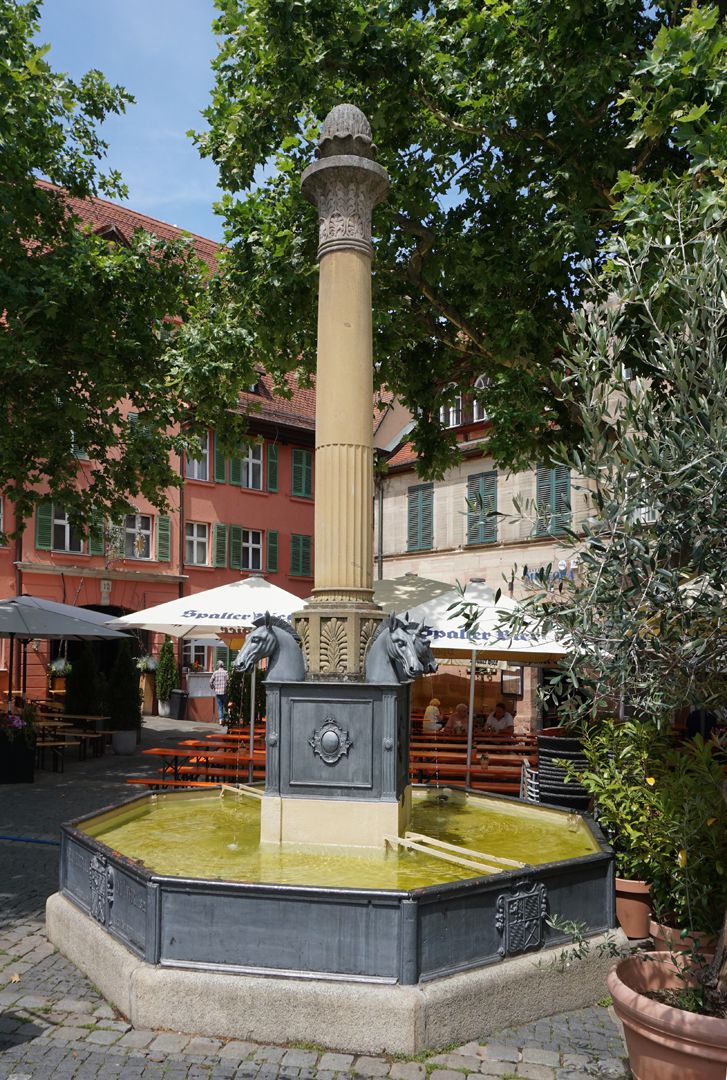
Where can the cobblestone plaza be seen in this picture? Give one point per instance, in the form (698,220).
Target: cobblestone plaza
(54,1023)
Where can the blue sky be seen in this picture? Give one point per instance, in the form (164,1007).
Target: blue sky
(160,50)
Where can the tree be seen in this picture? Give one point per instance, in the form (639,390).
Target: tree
(86,324)
(648,375)
(516,136)
(167,674)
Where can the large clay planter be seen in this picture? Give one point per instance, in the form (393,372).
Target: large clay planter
(664,1043)
(633,907)
(667,939)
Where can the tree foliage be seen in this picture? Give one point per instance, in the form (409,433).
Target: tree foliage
(84,323)
(124,695)
(167,673)
(515,135)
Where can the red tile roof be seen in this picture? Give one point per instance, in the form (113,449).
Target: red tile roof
(105,216)
(299,410)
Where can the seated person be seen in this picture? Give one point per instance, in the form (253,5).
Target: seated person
(432,716)
(500,720)
(458,721)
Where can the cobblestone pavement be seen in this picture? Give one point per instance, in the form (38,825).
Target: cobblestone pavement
(54,1023)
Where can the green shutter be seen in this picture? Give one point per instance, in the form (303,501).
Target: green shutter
(301,556)
(235,547)
(219,545)
(132,419)
(44,526)
(543,499)
(420,517)
(95,539)
(164,538)
(272,563)
(481,505)
(220,464)
(561,498)
(221,653)
(272,467)
(302,469)
(236,471)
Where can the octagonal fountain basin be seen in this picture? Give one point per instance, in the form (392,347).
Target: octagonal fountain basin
(181,879)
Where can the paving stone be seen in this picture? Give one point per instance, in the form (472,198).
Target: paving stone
(105,1012)
(540,1057)
(136,1038)
(168,1043)
(237,1050)
(501,1052)
(299,1059)
(445,1074)
(202,1047)
(371,1066)
(408,1070)
(269,1054)
(103,1038)
(74,1005)
(469,1049)
(336,1063)
(534,1072)
(496,1068)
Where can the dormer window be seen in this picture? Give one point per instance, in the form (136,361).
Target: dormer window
(479,413)
(450,415)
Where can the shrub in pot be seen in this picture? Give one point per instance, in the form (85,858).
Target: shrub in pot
(689,868)
(621,759)
(83,695)
(124,702)
(17,746)
(167,676)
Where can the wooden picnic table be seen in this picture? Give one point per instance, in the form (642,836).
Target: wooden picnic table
(174,755)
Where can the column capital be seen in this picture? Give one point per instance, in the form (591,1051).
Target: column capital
(345,184)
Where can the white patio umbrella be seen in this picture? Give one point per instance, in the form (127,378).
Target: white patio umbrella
(450,636)
(226,609)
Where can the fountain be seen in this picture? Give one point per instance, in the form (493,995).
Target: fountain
(368,915)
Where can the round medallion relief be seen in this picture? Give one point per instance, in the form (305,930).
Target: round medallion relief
(330,742)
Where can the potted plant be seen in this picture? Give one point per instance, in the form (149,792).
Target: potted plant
(621,759)
(689,871)
(58,670)
(147,666)
(124,703)
(82,686)
(166,677)
(17,746)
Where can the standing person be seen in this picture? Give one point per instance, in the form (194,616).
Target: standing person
(218,683)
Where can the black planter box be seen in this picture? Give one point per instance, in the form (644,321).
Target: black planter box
(17,760)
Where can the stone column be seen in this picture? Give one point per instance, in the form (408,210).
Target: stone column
(345,184)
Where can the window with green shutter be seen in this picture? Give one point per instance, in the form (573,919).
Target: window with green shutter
(272,484)
(220,465)
(552,495)
(164,538)
(420,517)
(302,479)
(301,555)
(44,526)
(235,547)
(481,508)
(221,653)
(236,471)
(272,561)
(219,545)
(96,544)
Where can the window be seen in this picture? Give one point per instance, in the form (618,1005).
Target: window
(192,654)
(552,495)
(137,536)
(481,508)
(196,536)
(199,468)
(450,415)
(478,408)
(252,549)
(65,537)
(301,555)
(420,517)
(252,468)
(302,480)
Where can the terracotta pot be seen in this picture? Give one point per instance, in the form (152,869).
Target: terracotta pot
(633,907)
(664,1043)
(668,939)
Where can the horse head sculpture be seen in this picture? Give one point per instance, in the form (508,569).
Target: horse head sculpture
(275,639)
(392,654)
(422,645)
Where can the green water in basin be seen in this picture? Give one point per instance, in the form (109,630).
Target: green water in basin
(217,837)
